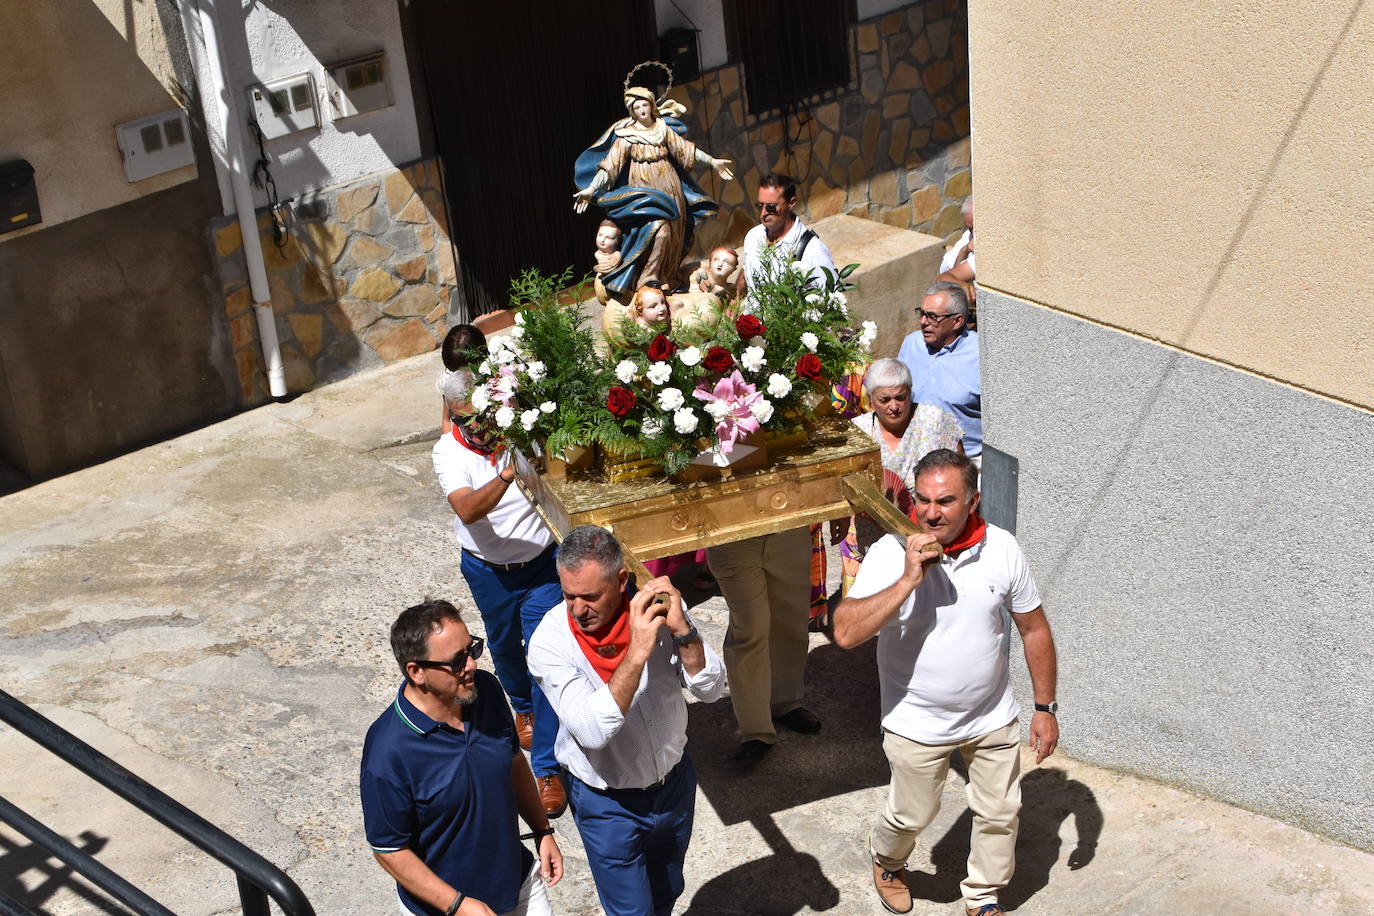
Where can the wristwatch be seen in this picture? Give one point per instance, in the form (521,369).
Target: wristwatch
(1052,707)
(690,636)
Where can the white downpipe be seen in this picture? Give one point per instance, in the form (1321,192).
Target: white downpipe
(231,127)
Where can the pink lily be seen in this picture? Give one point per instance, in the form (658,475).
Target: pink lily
(737,420)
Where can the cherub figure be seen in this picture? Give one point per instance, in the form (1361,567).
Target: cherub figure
(607,247)
(714,273)
(649,309)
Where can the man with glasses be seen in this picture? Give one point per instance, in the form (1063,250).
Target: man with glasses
(508,562)
(613,662)
(943,359)
(782,234)
(442,779)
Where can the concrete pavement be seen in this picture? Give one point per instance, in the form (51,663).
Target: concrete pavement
(212,612)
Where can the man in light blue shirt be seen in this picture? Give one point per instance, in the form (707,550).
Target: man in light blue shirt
(943,359)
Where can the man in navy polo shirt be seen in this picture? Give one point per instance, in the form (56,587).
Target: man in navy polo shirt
(443,778)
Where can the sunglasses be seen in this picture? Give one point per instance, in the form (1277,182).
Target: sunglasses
(770,209)
(459,661)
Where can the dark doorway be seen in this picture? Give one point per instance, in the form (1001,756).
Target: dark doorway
(516,91)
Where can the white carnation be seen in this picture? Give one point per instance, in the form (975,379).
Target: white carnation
(690,356)
(685,420)
(812,315)
(651,427)
(659,373)
(548,407)
(484,367)
(762,410)
(717,409)
(752,359)
(503,356)
(536,370)
(625,370)
(841,302)
(809,341)
(868,335)
(520,318)
(504,387)
(481,398)
(779,386)
(505,417)
(813,298)
(518,331)
(799,270)
(670,399)
(529,417)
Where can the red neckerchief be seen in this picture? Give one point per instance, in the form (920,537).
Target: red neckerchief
(605,652)
(489,454)
(973,532)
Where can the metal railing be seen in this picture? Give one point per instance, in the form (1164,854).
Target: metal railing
(258,878)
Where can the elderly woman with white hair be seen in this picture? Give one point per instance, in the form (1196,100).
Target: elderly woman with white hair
(905,431)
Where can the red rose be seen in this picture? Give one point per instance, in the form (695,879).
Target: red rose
(718,360)
(660,348)
(748,326)
(809,366)
(620,401)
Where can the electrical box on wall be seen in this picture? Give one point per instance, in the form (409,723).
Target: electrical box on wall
(681,52)
(358,85)
(18,196)
(285,106)
(155,144)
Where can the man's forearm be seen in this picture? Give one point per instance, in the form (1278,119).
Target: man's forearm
(417,877)
(1042,663)
(625,681)
(527,795)
(473,505)
(857,619)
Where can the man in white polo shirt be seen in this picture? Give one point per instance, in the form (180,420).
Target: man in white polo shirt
(508,562)
(781,235)
(945,679)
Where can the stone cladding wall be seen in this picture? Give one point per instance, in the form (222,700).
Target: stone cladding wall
(367,276)
(894,148)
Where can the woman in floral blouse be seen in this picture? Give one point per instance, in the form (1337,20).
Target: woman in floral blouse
(905,432)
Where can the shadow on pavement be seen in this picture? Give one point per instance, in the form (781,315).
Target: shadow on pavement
(16,860)
(842,688)
(1048,798)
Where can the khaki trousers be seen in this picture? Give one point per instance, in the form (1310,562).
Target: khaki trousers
(994,796)
(766,581)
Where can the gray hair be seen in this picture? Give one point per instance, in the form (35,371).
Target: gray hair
(947,458)
(887,373)
(590,543)
(955,296)
(459,386)
(967,206)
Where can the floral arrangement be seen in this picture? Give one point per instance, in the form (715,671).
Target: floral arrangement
(767,367)
(542,385)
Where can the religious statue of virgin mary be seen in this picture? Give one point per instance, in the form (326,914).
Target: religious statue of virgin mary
(638,173)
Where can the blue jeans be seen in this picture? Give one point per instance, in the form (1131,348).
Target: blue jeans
(636,840)
(511,604)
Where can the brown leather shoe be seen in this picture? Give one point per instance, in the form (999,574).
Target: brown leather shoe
(552,795)
(892,889)
(524,728)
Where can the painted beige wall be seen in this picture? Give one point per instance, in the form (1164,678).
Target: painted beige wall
(1198,173)
(72,70)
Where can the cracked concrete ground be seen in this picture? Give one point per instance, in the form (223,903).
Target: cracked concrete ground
(212,613)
